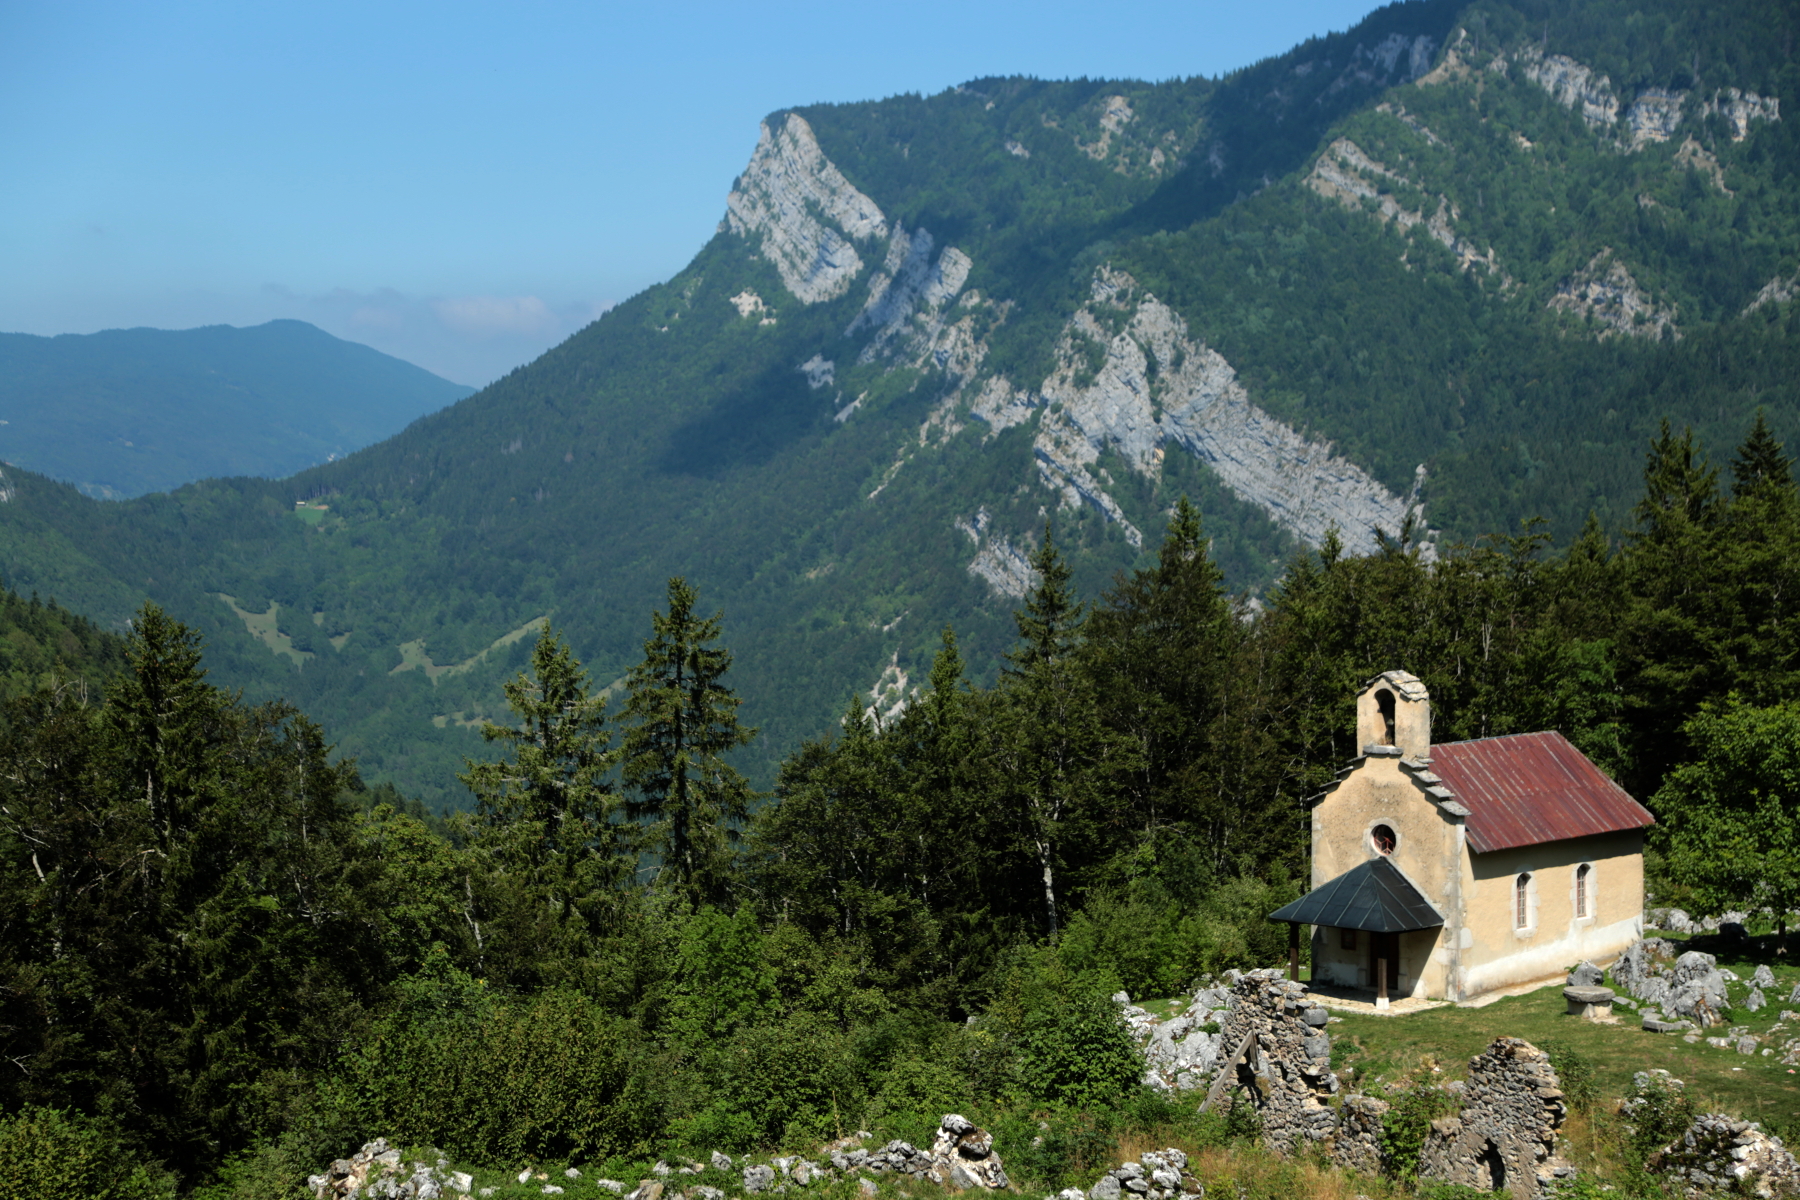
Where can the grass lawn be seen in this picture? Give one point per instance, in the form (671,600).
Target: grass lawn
(1757,1087)
(1386,1049)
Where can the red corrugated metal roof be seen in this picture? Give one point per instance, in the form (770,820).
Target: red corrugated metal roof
(1530,788)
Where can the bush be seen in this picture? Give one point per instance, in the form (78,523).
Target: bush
(1656,1115)
(791,1083)
(1410,1114)
(917,1091)
(1159,947)
(546,1078)
(1069,1149)
(1575,1071)
(48,1154)
(1074,1048)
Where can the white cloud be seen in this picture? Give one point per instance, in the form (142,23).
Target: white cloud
(489,316)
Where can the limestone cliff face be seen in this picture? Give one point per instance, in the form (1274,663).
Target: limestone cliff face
(1153,387)
(1652,116)
(1573,85)
(802,211)
(1157,387)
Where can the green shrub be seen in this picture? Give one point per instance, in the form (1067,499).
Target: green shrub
(1575,1070)
(1655,1115)
(1068,1149)
(792,1083)
(551,1077)
(1409,1117)
(47,1154)
(1074,1048)
(1238,1121)
(920,1088)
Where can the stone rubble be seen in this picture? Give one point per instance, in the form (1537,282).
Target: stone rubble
(375,1172)
(961,1157)
(1157,1175)
(1719,1154)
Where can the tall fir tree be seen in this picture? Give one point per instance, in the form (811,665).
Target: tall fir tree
(681,721)
(547,819)
(1057,755)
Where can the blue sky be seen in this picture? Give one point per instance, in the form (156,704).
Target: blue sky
(464,185)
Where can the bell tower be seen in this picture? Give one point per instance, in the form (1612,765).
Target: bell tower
(1394,709)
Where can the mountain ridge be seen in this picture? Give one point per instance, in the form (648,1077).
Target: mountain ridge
(123,412)
(942,322)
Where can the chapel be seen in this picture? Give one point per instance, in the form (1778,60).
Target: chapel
(1453,871)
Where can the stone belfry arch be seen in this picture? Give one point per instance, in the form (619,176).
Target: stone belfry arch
(1394,710)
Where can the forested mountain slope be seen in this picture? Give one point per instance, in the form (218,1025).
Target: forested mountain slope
(1451,267)
(129,411)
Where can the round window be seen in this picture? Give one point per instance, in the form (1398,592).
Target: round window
(1382,838)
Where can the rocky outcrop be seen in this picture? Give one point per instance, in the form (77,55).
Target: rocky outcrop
(1605,292)
(1395,59)
(1690,988)
(1154,385)
(1182,1052)
(912,284)
(802,212)
(1653,116)
(1347,174)
(1696,157)
(1504,1138)
(1573,85)
(891,694)
(1006,568)
(1739,108)
(1776,291)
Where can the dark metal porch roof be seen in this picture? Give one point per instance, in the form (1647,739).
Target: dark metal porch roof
(1374,896)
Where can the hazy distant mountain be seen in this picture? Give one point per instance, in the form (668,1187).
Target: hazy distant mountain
(130,411)
(1456,264)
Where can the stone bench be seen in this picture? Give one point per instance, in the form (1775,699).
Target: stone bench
(1594,1003)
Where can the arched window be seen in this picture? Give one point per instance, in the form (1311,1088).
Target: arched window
(1384,700)
(1383,839)
(1522,902)
(1582,900)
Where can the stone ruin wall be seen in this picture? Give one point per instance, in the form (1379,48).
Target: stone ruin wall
(1275,1050)
(1273,1045)
(1505,1136)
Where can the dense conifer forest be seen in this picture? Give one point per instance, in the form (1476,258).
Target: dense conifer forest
(225,960)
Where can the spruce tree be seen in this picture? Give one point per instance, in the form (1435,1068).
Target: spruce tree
(1680,606)
(681,721)
(547,819)
(1162,645)
(1055,752)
